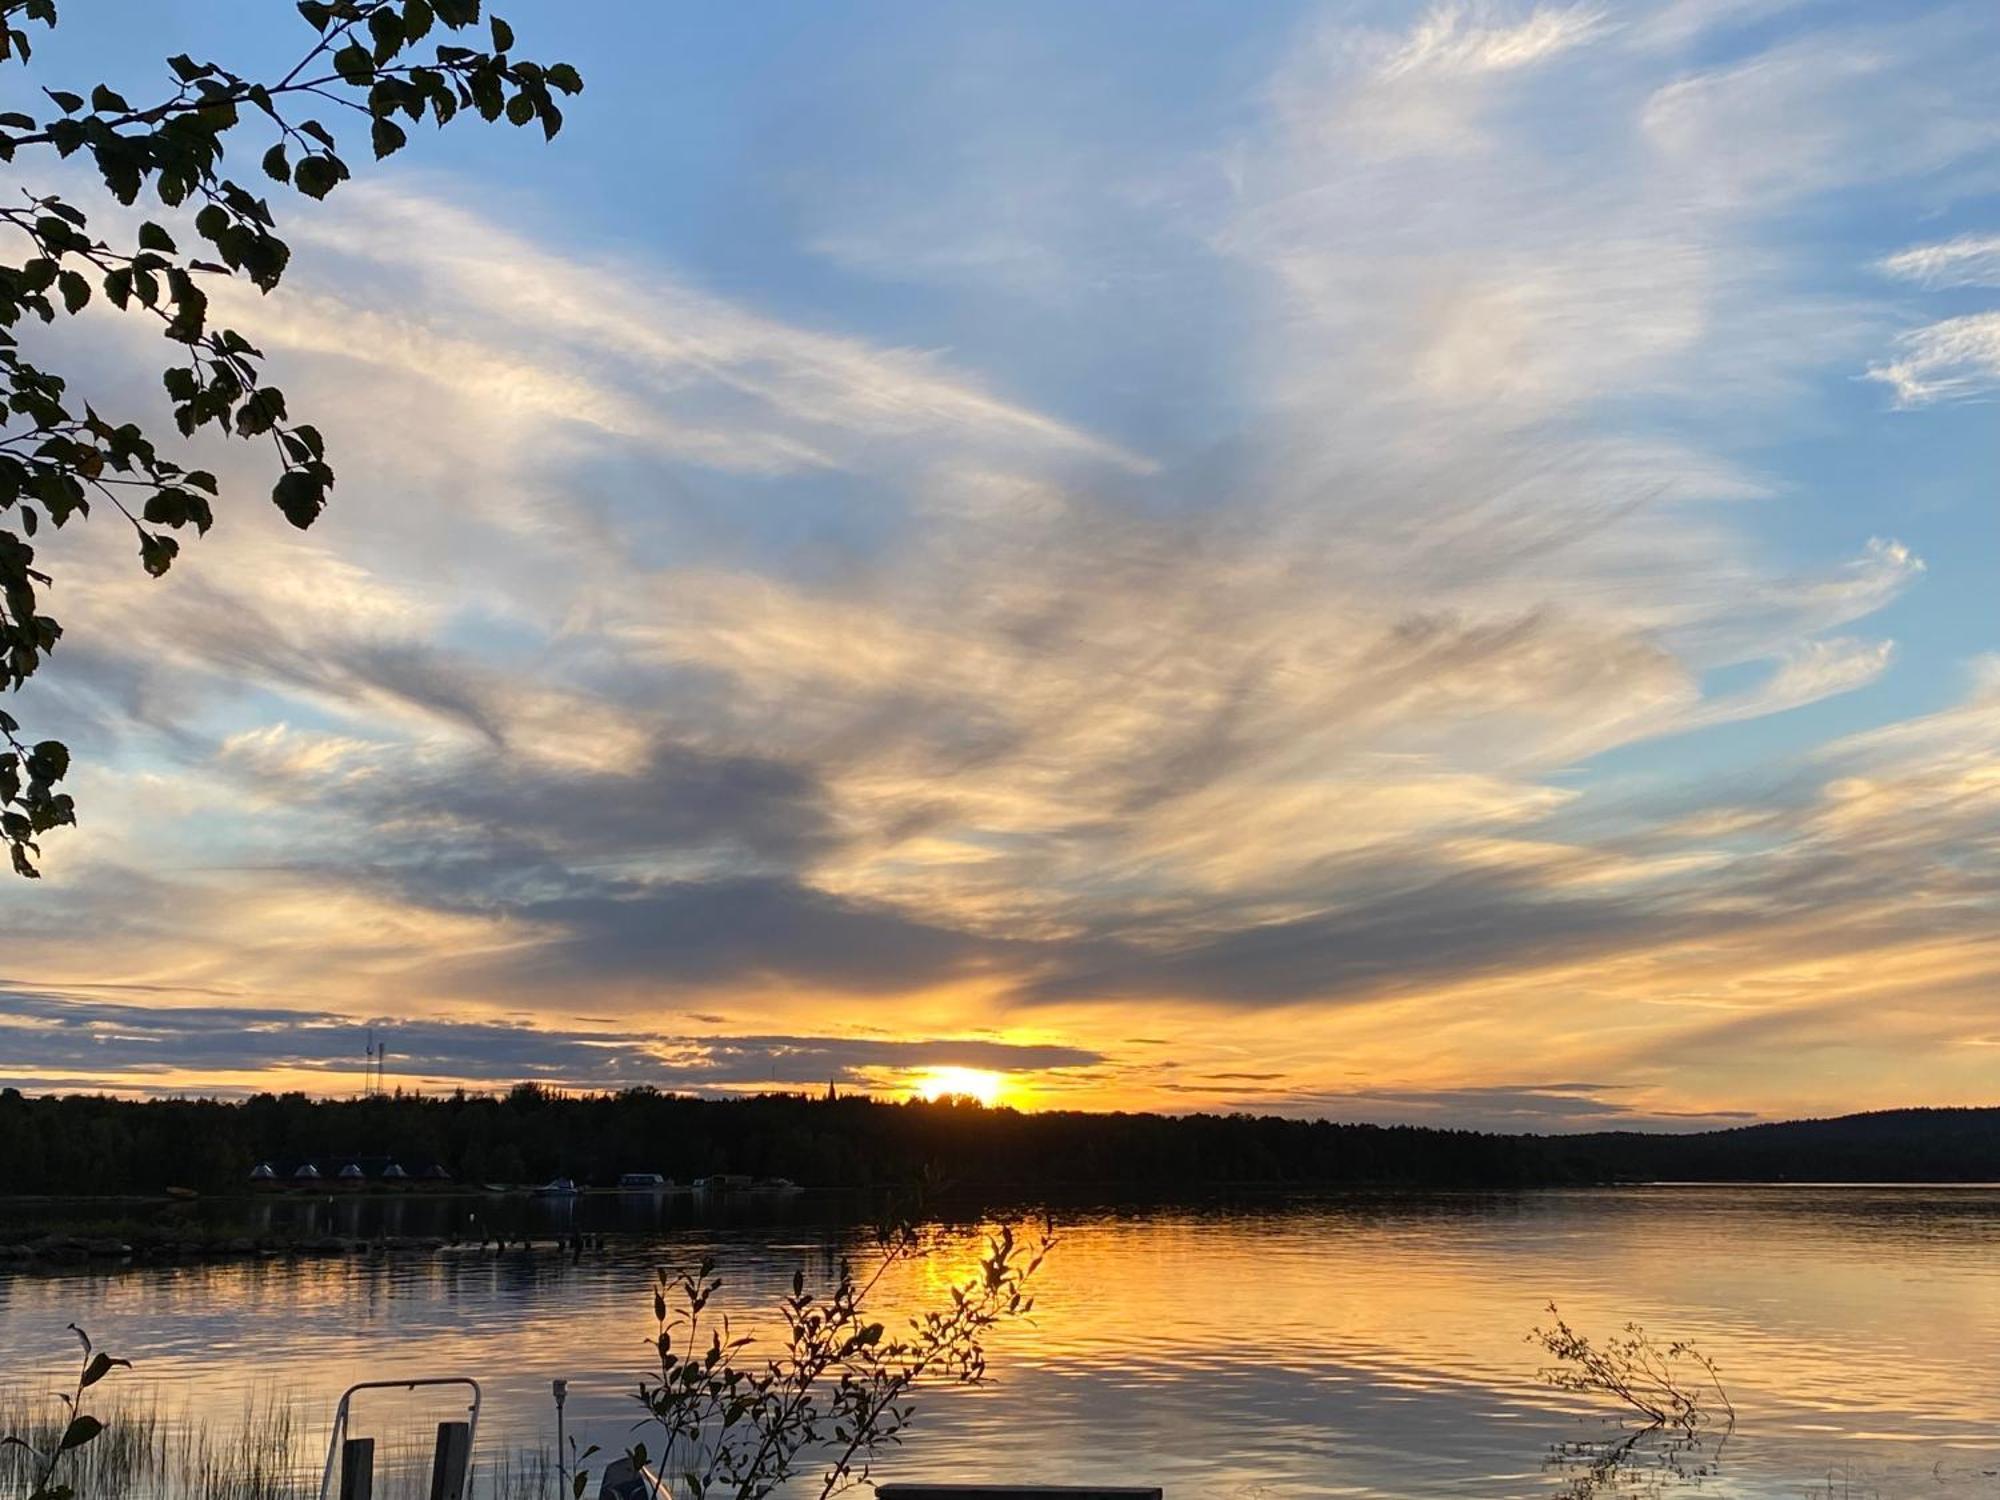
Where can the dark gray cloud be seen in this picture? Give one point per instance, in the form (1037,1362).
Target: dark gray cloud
(671,800)
(46,1037)
(711,932)
(54,1042)
(1412,930)
(577,853)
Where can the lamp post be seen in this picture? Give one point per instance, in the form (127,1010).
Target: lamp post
(561,1389)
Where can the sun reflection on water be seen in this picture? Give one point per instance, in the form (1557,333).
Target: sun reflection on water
(1371,1346)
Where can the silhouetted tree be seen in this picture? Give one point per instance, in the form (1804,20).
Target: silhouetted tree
(59,452)
(86,1143)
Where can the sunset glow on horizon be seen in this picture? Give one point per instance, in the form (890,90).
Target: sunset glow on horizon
(1440,571)
(961,1083)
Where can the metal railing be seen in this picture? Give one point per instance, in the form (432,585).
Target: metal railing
(350,1462)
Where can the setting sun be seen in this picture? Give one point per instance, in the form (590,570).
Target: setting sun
(965,1083)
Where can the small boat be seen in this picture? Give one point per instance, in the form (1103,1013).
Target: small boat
(625,1480)
(643,1182)
(724,1182)
(559,1187)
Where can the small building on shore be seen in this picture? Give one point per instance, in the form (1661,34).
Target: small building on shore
(350,1171)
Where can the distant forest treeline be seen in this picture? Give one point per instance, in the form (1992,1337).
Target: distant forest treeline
(89,1144)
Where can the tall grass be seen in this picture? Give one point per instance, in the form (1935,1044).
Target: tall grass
(144,1455)
(130,1445)
(272,1452)
(523,1474)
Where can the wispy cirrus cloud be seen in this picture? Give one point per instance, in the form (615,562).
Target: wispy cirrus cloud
(1459,39)
(1954,360)
(720,383)
(1967,260)
(667,654)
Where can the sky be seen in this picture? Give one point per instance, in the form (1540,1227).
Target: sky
(1404,562)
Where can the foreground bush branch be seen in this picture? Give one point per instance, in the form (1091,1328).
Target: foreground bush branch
(839,1388)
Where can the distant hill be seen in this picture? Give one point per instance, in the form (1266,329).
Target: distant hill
(90,1144)
(1890,1145)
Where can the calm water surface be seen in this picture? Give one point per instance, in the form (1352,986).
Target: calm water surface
(1368,1346)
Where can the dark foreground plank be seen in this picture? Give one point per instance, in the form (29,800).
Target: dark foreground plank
(1016,1492)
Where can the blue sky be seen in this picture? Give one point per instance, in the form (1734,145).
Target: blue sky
(1415,561)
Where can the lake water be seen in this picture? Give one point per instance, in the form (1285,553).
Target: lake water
(1361,1346)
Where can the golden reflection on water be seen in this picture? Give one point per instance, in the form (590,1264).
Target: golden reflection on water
(1366,1346)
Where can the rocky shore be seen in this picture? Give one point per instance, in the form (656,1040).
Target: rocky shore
(68,1251)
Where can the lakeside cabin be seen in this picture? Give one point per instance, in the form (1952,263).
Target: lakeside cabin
(347,1171)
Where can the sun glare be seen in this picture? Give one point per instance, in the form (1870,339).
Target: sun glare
(966,1083)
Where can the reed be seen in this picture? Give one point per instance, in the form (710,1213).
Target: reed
(271,1451)
(130,1445)
(147,1454)
(522,1474)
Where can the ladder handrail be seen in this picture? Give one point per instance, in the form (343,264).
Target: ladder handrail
(339,1431)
